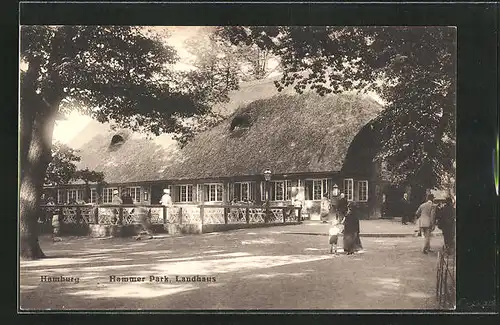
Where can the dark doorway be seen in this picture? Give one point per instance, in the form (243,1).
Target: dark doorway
(157,193)
(393,196)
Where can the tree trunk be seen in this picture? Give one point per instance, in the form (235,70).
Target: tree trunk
(36,134)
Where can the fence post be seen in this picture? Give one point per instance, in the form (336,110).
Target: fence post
(120,215)
(78,215)
(202,215)
(300,214)
(180,215)
(438,278)
(225,215)
(96,214)
(164,209)
(247,215)
(284,214)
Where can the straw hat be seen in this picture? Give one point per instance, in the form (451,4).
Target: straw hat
(115,192)
(166,191)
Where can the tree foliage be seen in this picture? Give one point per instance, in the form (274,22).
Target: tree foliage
(61,169)
(109,72)
(248,62)
(411,68)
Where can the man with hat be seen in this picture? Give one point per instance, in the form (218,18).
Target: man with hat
(116,201)
(166,200)
(426,215)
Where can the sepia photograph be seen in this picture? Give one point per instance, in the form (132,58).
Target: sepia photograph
(173,168)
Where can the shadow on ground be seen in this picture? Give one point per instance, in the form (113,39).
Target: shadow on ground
(237,270)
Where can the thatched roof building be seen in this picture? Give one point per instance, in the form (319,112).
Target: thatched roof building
(311,143)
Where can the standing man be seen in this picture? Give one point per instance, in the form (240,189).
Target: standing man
(296,201)
(406,214)
(166,200)
(116,201)
(426,217)
(446,222)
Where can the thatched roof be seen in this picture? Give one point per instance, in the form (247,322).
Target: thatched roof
(138,158)
(249,92)
(286,133)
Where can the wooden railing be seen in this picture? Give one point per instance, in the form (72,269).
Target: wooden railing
(445,282)
(177,214)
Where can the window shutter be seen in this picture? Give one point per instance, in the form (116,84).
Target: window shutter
(206,193)
(229,192)
(198,193)
(236,191)
(251,191)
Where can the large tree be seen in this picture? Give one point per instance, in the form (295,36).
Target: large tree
(411,68)
(108,72)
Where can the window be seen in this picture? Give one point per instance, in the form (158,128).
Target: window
(240,121)
(316,189)
(363,191)
(117,139)
(133,192)
(93,195)
(107,195)
(242,191)
(61,195)
(278,190)
(213,192)
(184,193)
(74,195)
(349,189)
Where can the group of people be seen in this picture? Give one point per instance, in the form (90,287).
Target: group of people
(143,214)
(348,226)
(344,221)
(430,215)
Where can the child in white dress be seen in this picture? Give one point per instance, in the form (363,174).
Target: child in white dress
(334,232)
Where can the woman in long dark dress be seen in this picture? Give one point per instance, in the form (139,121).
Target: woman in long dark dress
(351,231)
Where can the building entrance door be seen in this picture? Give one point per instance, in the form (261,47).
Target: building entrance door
(157,193)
